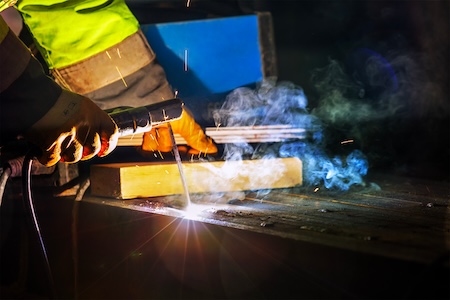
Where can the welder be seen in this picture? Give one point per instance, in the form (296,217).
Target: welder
(34,107)
(96,49)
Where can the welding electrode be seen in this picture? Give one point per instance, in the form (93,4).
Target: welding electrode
(140,119)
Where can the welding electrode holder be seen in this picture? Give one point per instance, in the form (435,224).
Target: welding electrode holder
(141,119)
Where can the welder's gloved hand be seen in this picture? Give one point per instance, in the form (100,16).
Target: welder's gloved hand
(74,129)
(158,139)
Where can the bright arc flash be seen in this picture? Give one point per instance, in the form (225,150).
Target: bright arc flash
(193,211)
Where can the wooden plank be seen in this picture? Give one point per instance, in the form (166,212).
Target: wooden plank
(151,179)
(235,134)
(136,140)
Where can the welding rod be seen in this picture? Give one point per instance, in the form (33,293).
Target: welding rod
(141,119)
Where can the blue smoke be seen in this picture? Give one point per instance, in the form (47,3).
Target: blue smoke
(319,168)
(284,103)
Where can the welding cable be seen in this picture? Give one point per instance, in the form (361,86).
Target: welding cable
(3,180)
(13,168)
(84,185)
(29,205)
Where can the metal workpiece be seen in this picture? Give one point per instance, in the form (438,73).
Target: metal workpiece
(141,119)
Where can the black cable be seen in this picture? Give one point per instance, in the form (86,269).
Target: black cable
(29,205)
(3,180)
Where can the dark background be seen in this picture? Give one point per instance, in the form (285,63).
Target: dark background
(324,47)
(318,48)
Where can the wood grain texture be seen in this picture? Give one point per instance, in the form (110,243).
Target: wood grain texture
(149,179)
(235,134)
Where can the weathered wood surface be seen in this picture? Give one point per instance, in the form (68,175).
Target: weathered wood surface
(401,218)
(137,180)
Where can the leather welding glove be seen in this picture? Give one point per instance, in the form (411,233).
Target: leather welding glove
(74,129)
(158,139)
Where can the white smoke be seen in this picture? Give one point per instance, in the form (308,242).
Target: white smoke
(284,103)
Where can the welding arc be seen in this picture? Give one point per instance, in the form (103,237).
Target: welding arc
(29,205)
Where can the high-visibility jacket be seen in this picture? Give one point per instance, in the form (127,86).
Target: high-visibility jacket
(68,31)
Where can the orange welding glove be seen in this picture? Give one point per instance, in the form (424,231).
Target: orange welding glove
(74,129)
(158,139)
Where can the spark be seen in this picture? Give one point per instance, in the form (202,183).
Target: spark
(188,3)
(157,143)
(165,115)
(347,142)
(121,77)
(160,154)
(185,64)
(117,68)
(316,190)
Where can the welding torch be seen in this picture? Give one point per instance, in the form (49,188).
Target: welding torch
(129,121)
(141,119)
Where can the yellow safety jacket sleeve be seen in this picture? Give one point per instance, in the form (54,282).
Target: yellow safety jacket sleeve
(68,31)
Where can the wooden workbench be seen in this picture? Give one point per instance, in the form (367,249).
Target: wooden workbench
(401,218)
(386,240)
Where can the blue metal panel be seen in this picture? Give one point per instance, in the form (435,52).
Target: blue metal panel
(206,57)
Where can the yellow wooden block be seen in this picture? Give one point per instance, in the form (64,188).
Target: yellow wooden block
(150,179)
